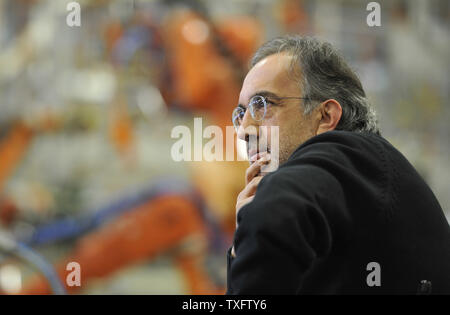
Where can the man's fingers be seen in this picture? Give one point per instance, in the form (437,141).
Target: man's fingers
(250,189)
(255,168)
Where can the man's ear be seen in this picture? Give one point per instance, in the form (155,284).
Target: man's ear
(331,112)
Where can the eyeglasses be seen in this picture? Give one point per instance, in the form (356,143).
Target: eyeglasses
(258,109)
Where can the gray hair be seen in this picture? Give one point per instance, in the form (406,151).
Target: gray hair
(324,75)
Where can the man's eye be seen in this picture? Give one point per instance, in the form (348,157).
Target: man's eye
(257,103)
(240,114)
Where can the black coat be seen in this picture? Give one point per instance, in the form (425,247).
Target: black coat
(341,201)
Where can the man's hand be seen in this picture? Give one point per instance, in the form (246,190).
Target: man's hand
(253,176)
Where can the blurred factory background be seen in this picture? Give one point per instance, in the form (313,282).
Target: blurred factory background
(86,115)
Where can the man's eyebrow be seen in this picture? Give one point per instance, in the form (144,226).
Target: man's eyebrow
(261,93)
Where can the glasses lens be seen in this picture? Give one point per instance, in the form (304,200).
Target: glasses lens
(237,116)
(258,107)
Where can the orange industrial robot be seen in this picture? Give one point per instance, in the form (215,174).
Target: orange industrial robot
(206,62)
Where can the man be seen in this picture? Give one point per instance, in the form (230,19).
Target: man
(345,213)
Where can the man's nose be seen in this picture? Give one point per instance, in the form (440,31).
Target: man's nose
(248,127)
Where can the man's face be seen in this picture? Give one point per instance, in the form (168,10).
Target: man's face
(271,75)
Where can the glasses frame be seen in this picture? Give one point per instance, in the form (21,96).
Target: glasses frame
(252,110)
